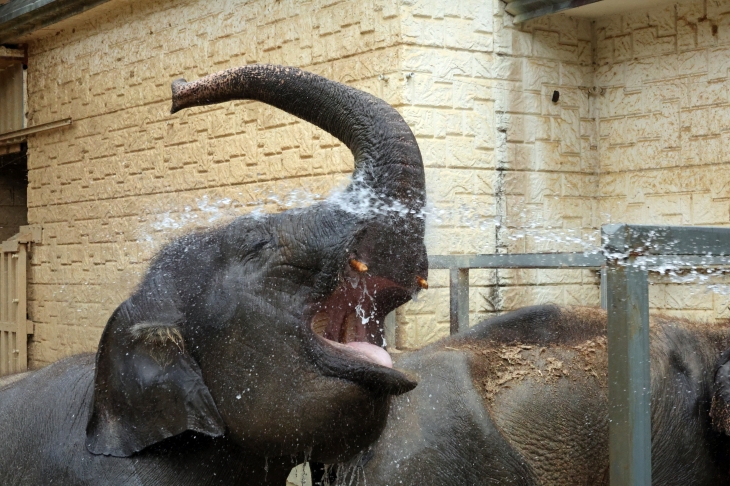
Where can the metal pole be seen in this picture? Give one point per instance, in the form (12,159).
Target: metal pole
(629,392)
(389,326)
(458,299)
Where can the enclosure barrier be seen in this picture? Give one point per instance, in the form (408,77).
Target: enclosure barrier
(627,255)
(14,326)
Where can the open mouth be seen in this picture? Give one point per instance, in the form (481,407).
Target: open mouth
(352,319)
(348,328)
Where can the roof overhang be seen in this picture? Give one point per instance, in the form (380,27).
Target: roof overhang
(605,8)
(530,9)
(591,9)
(21,17)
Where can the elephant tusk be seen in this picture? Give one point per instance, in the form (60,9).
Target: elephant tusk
(422,282)
(358,265)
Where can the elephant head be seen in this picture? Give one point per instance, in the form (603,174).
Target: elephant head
(269,331)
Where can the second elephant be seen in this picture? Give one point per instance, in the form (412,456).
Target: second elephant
(521,399)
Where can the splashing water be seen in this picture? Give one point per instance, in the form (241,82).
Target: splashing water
(350,473)
(363,201)
(363,315)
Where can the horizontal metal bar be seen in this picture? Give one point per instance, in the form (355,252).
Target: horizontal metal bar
(570,260)
(12,137)
(666,262)
(623,239)
(518,260)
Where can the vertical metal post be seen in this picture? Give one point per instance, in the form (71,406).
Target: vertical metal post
(629,391)
(459,299)
(389,326)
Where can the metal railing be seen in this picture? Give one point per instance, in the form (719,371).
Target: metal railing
(459,266)
(628,253)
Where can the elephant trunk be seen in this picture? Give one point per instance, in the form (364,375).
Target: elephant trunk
(387,158)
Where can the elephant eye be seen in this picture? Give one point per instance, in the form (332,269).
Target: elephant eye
(358,266)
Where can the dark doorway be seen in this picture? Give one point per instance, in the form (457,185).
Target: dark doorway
(13,192)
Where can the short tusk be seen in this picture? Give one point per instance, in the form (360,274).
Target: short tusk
(358,265)
(422,282)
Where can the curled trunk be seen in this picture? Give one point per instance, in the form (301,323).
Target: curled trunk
(387,158)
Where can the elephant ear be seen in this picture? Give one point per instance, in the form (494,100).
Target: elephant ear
(147,388)
(720,409)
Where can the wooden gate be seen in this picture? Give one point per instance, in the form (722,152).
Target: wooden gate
(14,326)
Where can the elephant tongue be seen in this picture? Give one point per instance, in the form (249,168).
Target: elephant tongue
(372,353)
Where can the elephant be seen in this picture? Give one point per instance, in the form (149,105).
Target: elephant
(521,399)
(252,346)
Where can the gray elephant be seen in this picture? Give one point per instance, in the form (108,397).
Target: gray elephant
(240,353)
(522,399)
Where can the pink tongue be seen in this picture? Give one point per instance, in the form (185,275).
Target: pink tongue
(372,353)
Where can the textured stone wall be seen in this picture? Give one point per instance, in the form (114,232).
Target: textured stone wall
(664,132)
(548,155)
(508,170)
(127,176)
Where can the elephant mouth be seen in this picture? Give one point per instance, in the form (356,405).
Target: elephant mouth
(349,325)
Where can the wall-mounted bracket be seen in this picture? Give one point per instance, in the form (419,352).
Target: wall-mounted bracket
(17,136)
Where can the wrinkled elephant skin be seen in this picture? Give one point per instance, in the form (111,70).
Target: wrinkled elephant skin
(521,399)
(251,346)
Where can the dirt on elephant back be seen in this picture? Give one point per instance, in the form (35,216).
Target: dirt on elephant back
(496,366)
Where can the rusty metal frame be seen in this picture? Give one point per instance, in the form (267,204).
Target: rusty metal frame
(628,253)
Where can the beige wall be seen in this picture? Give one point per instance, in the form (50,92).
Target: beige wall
(637,136)
(448,52)
(664,136)
(550,157)
(507,169)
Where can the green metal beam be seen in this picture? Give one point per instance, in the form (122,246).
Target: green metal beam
(666,240)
